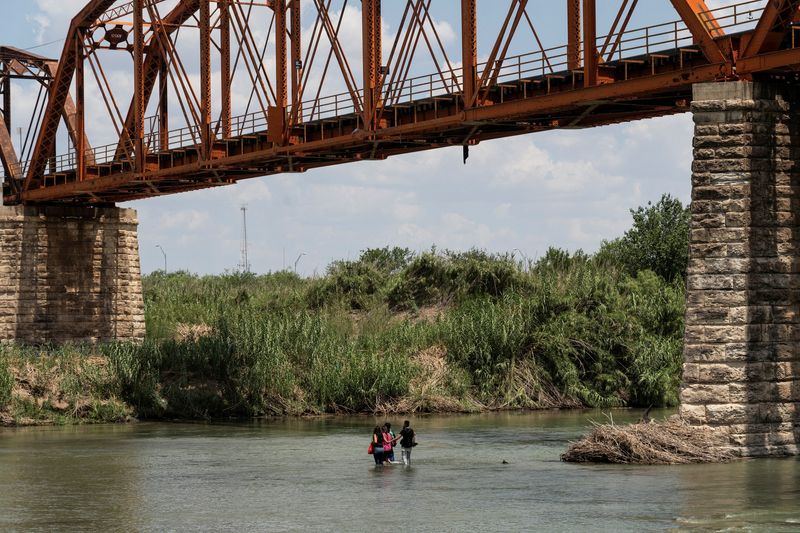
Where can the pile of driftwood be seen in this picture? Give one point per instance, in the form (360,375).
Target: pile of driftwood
(653,443)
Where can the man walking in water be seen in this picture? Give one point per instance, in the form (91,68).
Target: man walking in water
(407,441)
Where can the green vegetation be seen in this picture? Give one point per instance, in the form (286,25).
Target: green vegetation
(6,382)
(58,386)
(390,331)
(657,241)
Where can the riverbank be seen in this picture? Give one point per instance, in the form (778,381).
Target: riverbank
(387,333)
(59,386)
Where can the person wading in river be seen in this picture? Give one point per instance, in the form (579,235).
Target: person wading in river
(407,441)
(387,445)
(389,456)
(377,445)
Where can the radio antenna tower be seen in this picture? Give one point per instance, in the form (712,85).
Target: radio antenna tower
(244,265)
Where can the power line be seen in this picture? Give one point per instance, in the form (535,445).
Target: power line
(28,49)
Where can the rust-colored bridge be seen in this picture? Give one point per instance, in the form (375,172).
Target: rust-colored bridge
(180,131)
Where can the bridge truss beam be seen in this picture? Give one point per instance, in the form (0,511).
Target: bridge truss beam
(289,120)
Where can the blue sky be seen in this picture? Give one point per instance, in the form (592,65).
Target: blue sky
(570,189)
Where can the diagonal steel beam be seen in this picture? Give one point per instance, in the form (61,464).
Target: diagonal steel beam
(48,69)
(69,115)
(59,90)
(341,58)
(8,156)
(703,27)
(772,26)
(153,62)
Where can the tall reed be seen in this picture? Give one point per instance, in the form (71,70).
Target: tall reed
(6,379)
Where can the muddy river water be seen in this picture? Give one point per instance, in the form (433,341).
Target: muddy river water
(315,475)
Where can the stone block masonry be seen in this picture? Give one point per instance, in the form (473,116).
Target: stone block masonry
(742,340)
(69,274)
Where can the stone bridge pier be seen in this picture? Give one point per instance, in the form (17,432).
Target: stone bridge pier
(69,274)
(742,340)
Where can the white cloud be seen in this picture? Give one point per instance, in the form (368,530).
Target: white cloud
(189,219)
(716,4)
(525,164)
(445,31)
(406,211)
(52,18)
(250,192)
(416,235)
(502,210)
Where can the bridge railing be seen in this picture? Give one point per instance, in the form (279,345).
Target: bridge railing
(335,105)
(642,42)
(738,17)
(632,44)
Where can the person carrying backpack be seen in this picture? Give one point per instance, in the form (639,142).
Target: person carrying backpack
(408,439)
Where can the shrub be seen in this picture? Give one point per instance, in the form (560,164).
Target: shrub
(387,260)
(657,241)
(262,364)
(356,284)
(137,371)
(476,273)
(433,278)
(486,338)
(422,282)
(598,336)
(359,284)
(183,298)
(655,371)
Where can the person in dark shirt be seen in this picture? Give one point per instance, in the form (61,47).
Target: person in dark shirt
(407,441)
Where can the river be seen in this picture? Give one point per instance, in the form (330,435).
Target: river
(315,475)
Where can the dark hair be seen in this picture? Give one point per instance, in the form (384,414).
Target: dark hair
(388,425)
(406,424)
(377,432)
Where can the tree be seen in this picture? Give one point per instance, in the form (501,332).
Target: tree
(657,241)
(389,260)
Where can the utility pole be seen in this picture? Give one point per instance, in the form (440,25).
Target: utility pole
(244,265)
(298,260)
(165,256)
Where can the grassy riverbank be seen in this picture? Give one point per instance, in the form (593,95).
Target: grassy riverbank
(389,332)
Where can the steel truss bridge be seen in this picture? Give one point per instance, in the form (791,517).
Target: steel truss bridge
(183,124)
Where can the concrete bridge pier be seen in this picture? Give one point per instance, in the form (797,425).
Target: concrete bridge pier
(742,351)
(69,274)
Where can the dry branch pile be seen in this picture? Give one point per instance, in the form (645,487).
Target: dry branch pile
(653,443)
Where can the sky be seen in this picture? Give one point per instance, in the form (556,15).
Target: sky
(570,189)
